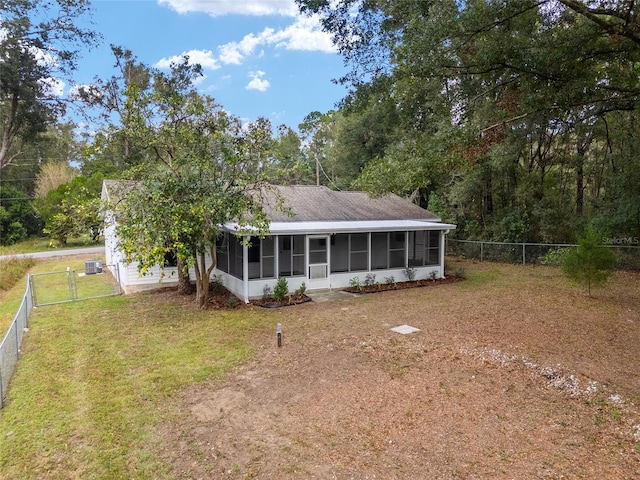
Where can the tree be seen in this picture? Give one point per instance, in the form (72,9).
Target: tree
(590,264)
(116,148)
(52,175)
(495,106)
(72,209)
(202,170)
(39,41)
(17,217)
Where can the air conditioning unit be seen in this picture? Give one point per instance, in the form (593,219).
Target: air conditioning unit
(91,267)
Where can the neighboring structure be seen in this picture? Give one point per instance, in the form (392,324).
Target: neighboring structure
(324,239)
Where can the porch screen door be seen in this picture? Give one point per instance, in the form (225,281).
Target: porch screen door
(318,272)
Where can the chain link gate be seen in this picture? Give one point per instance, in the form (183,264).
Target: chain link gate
(69,286)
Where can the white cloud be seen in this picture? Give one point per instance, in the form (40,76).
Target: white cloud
(238,7)
(203,57)
(257,83)
(234,52)
(52,86)
(304,34)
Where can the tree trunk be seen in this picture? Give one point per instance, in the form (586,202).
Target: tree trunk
(203,276)
(184,282)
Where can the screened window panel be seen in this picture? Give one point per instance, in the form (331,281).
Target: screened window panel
(433,248)
(379,250)
(359,242)
(317,250)
(298,265)
(268,267)
(284,256)
(358,261)
(267,246)
(416,249)
(222,252)
(235,256)
(340,253)
(396,240)
(396,259)
(298,244)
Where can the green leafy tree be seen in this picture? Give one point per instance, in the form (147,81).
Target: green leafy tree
(17,217)
(590,264)
(203,169)
(497,107)
(39,44)
(72,210)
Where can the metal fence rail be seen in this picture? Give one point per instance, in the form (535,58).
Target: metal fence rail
(532,253)
(10,345)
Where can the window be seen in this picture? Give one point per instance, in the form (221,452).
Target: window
(291,255)
(222,252)
(396,249)
(261,257)
(349,252)
(254,257)
(379,251)
(424,248)
(340,253)
(235,256)
(359,252)
(268,257)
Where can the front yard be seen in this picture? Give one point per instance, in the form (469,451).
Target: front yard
(514,373)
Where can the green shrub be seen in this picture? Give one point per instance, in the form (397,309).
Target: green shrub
(300,291)
(355,283)
(555,256)
(589,264)
(460,272)
(267,292)
(233,302)
(216,285)
(281,289)
(410,273)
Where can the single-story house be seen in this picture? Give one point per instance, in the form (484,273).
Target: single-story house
(325,239)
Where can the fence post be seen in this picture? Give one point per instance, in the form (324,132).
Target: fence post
(34,300)
(481,251)
(523,254)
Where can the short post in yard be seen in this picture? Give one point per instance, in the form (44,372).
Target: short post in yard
(279,335)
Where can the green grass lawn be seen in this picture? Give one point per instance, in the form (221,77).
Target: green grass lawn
(43,244)
(52,288)
(96,378)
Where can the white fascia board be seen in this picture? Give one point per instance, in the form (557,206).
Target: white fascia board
(310,228)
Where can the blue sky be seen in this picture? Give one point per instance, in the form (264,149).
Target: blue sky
(260,57)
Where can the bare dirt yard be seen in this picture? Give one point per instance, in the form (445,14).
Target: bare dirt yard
(515,374)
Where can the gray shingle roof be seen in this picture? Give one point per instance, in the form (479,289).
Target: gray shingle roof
(311,203)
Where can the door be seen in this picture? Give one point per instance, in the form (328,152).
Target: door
(318,264)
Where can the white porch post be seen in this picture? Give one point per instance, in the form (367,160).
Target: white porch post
(442,252)
(245,268)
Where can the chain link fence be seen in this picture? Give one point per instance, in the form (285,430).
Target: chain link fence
(70,285)
(533,253)
(49,289)
(10,345)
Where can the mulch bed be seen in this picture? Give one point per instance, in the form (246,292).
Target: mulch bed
(285,302)
(222,299)
(383,287)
